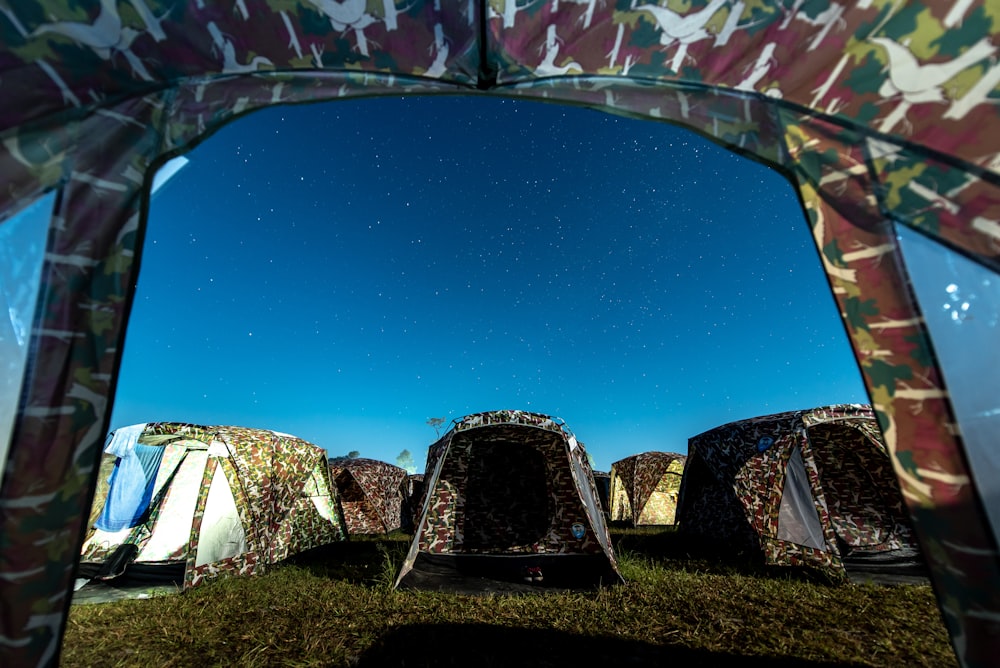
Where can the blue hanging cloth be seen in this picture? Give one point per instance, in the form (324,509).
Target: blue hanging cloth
(130,487)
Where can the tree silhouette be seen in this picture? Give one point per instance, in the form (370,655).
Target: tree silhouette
(436,422)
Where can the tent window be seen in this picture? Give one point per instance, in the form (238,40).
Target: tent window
(349,489)
(960,302)
(507,501)
(317,491)
(798,521)
(22,251)
(360,513)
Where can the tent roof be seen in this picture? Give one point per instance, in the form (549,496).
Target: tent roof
(360,465)
(649,459)
(154,433)
(511,417)
(789,420)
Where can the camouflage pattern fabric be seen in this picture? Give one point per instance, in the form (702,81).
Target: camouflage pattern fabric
(882,114)
(736,476)
(281,488)
(371,494)
(509,482)
(866,507)
(644,488)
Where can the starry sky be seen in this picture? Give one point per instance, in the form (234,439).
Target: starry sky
(346,271)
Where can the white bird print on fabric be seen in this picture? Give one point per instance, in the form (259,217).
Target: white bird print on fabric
(348,14)
(758,70)
(229,63)
(917,84)
(684,29)
(104,36)
(152,22)
(588,15)
(341,14)
(548,65)
(441,48)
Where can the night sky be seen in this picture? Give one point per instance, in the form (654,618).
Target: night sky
(346,271)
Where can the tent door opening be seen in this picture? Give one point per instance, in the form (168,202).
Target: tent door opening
(507,499)
(856,495)
(355,506)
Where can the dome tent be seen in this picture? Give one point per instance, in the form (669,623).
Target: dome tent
(644,488)
(188,503)
(370,494)
(881,114)
(507,491)
(801,488)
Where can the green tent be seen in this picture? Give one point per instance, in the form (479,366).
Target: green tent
(187,503)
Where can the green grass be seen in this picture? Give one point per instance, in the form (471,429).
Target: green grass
(674,609)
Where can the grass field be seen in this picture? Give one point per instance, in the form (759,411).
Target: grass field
(338,608)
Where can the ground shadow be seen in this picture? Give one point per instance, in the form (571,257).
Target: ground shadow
(366,560)
(486,646)
(676,550)
(358,561)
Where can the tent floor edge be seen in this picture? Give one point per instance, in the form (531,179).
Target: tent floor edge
(484,574)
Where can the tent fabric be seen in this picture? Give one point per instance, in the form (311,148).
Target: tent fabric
(805,488)
(644,488)
(225,500)
(370,493)
(881,114)
(503,491)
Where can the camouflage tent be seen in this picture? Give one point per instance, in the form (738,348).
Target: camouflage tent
(882,115)
(644,488)
(509,501)
(806,488)
(370,493)
(188,503)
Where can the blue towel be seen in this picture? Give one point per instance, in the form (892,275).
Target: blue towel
(122,441)
(131,484)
